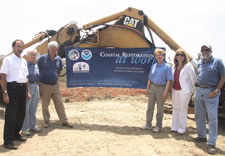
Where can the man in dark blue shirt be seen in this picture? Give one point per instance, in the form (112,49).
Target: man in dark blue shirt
(50,66)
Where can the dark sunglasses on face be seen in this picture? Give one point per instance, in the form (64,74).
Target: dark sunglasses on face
(207,50)
(180,55)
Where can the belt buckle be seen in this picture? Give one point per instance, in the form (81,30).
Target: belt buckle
(20,84)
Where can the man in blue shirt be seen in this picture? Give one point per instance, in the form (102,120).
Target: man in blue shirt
(50,66)
(159,83)
(210,79)
(29,124)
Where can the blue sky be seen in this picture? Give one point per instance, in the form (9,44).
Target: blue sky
(190,23)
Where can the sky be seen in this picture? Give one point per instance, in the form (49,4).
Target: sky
(191,23)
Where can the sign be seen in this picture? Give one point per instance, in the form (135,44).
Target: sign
(108,67)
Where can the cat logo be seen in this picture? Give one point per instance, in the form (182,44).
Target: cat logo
(129,21)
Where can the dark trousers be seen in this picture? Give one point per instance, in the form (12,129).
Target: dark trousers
(15,111)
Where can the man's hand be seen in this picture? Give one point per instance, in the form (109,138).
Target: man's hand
(212,94)
(164,96)
(6,98)
(29,96)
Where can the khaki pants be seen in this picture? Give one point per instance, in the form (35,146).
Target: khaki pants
(155,95)
(47,93)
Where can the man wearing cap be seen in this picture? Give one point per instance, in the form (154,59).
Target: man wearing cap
(210,79)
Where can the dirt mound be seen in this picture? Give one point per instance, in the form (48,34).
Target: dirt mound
(90,93)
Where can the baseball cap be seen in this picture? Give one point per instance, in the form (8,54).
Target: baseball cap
(207,46)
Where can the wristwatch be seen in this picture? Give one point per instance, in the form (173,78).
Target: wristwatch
(216,91)
(5,91)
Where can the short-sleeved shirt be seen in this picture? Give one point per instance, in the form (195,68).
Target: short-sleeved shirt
(160,73)
(15,68)
(33,72)
(49,69)
(209,73)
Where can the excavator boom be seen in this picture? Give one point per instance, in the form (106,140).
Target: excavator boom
(132,15)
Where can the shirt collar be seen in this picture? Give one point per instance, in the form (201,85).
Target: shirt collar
(30,63)
(164,62)
(14,55)
(50,57)
(211,59)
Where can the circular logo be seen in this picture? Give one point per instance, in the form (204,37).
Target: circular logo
(74,55)
(86,54)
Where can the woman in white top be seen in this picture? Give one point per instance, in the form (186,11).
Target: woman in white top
(183,86)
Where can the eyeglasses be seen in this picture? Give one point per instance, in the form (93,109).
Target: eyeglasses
(207,50)
(159,55)
(180,55)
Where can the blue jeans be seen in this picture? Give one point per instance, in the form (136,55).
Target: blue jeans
(31,108)
(205,106)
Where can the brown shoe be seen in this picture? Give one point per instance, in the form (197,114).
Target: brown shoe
(67,124)
(10,146)
(46,124)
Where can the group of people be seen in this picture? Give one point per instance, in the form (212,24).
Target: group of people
(208,78)
(23,82)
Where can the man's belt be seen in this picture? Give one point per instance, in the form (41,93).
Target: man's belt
(158,85)
(205,86)
(17,84)
(33,82)
(49,83)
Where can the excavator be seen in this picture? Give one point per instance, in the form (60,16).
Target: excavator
(125,29)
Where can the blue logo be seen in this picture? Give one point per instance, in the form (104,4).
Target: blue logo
(86,54)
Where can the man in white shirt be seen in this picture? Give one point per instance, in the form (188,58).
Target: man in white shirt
(15,88)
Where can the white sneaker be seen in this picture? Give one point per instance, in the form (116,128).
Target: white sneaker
(145,127)
(156,129)
(35,129)
(26,133)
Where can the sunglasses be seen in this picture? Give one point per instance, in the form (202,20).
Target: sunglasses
(207,50)
(180,55)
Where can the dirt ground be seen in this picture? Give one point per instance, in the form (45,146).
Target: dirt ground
(107,123)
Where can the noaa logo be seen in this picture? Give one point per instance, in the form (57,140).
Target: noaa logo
(86,54)
(74,55)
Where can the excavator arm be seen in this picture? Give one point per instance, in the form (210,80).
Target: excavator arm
(132,37)
(66,35)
